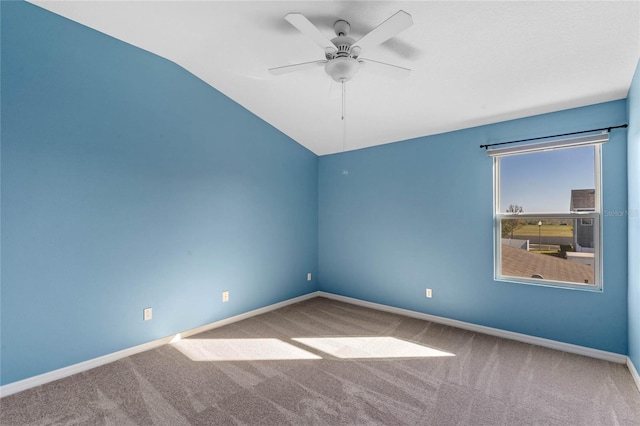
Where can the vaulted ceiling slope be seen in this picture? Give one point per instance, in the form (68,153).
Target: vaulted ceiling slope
(472,63)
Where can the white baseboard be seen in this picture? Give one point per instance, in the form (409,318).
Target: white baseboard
(51,376)
(634,373)
(539,341)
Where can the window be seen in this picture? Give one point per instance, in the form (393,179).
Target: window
(547,213)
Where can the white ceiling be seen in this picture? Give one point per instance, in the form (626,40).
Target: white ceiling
(472,63)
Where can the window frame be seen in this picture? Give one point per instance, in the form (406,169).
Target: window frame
(578,216)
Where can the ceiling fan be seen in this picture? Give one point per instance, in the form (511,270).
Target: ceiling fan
(342,53)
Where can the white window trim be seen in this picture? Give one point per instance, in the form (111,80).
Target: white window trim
(596,141)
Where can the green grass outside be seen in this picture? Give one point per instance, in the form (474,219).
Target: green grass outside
(545,230)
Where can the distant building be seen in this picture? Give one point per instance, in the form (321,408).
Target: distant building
(583,200)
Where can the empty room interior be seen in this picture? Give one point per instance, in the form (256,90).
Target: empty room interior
(340,212)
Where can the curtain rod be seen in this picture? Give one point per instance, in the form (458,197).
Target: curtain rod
(608,129)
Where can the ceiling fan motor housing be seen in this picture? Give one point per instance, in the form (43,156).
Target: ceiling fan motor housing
(342,42)
(343,45)
(342,64)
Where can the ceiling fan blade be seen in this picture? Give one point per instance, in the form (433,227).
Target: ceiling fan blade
(388,70)
(296,67)
(397,23)
(305,26)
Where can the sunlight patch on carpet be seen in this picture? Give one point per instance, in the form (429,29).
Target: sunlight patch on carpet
(370,347)
(240,350)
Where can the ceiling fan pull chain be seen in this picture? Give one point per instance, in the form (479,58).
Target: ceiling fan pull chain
(344,122)
(343,100)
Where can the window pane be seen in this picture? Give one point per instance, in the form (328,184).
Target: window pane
(542,182)
(555,249)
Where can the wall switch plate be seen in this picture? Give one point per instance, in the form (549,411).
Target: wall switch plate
(147,315)
(429,293)
(309,276)
(225,296)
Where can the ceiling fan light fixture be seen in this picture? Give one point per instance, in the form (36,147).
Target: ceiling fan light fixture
(342,69)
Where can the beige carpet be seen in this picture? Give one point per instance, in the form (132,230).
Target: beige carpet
(322,362)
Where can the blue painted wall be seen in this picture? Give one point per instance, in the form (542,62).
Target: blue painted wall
(419,214)
(633,106)
(129,183)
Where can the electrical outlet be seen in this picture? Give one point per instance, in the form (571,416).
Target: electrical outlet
(147,315)
(225,296)
(429,294)
(309,276)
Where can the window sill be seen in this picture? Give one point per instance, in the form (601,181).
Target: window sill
(552,284)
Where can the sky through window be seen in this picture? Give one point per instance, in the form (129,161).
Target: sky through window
(541,182)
